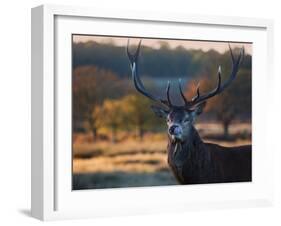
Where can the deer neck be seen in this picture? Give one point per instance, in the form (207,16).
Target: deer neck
(191,154)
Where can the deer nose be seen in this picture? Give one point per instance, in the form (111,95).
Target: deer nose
(175,130)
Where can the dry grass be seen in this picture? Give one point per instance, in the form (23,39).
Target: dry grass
(134,163)
(127,156)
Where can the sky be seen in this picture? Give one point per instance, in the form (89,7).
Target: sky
(221,47)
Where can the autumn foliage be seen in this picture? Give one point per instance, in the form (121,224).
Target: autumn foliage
(105,102)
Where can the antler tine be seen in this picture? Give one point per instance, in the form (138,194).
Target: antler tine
(219,78)
(220,87)
(186,102)
(197,92)
(133,58)
(241,55)
(235,68)
(168,93)
(231,53)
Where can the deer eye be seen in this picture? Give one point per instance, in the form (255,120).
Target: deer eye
(186,120)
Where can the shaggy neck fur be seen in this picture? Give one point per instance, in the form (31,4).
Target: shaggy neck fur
(190,160)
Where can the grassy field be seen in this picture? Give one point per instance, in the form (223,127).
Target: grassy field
(133,163)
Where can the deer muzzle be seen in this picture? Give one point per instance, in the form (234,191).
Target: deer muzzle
(175,132)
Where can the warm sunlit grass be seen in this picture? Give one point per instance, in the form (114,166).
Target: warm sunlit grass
(132,163)
(131,155)
(128,156)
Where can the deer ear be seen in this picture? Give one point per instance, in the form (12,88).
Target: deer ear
(160,112)
(199,108)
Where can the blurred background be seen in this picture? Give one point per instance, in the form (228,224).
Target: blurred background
(117,140)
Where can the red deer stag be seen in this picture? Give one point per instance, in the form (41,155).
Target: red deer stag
(191,159)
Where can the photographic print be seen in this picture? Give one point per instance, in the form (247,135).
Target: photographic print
(158,112)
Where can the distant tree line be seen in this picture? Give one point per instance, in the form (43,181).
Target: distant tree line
(155,63)
(104,96)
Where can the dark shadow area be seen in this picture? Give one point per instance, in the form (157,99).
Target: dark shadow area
(151,162)
(97,153)
(137,152)
(121,180)
(88,155)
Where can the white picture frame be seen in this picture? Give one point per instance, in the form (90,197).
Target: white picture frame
(52,197)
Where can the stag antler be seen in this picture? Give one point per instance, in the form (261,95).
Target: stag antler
(196,99)
(137,81)
(220,87)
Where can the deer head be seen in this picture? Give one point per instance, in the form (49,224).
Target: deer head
(180,119)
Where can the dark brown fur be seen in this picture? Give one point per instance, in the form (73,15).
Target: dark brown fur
(197,162)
